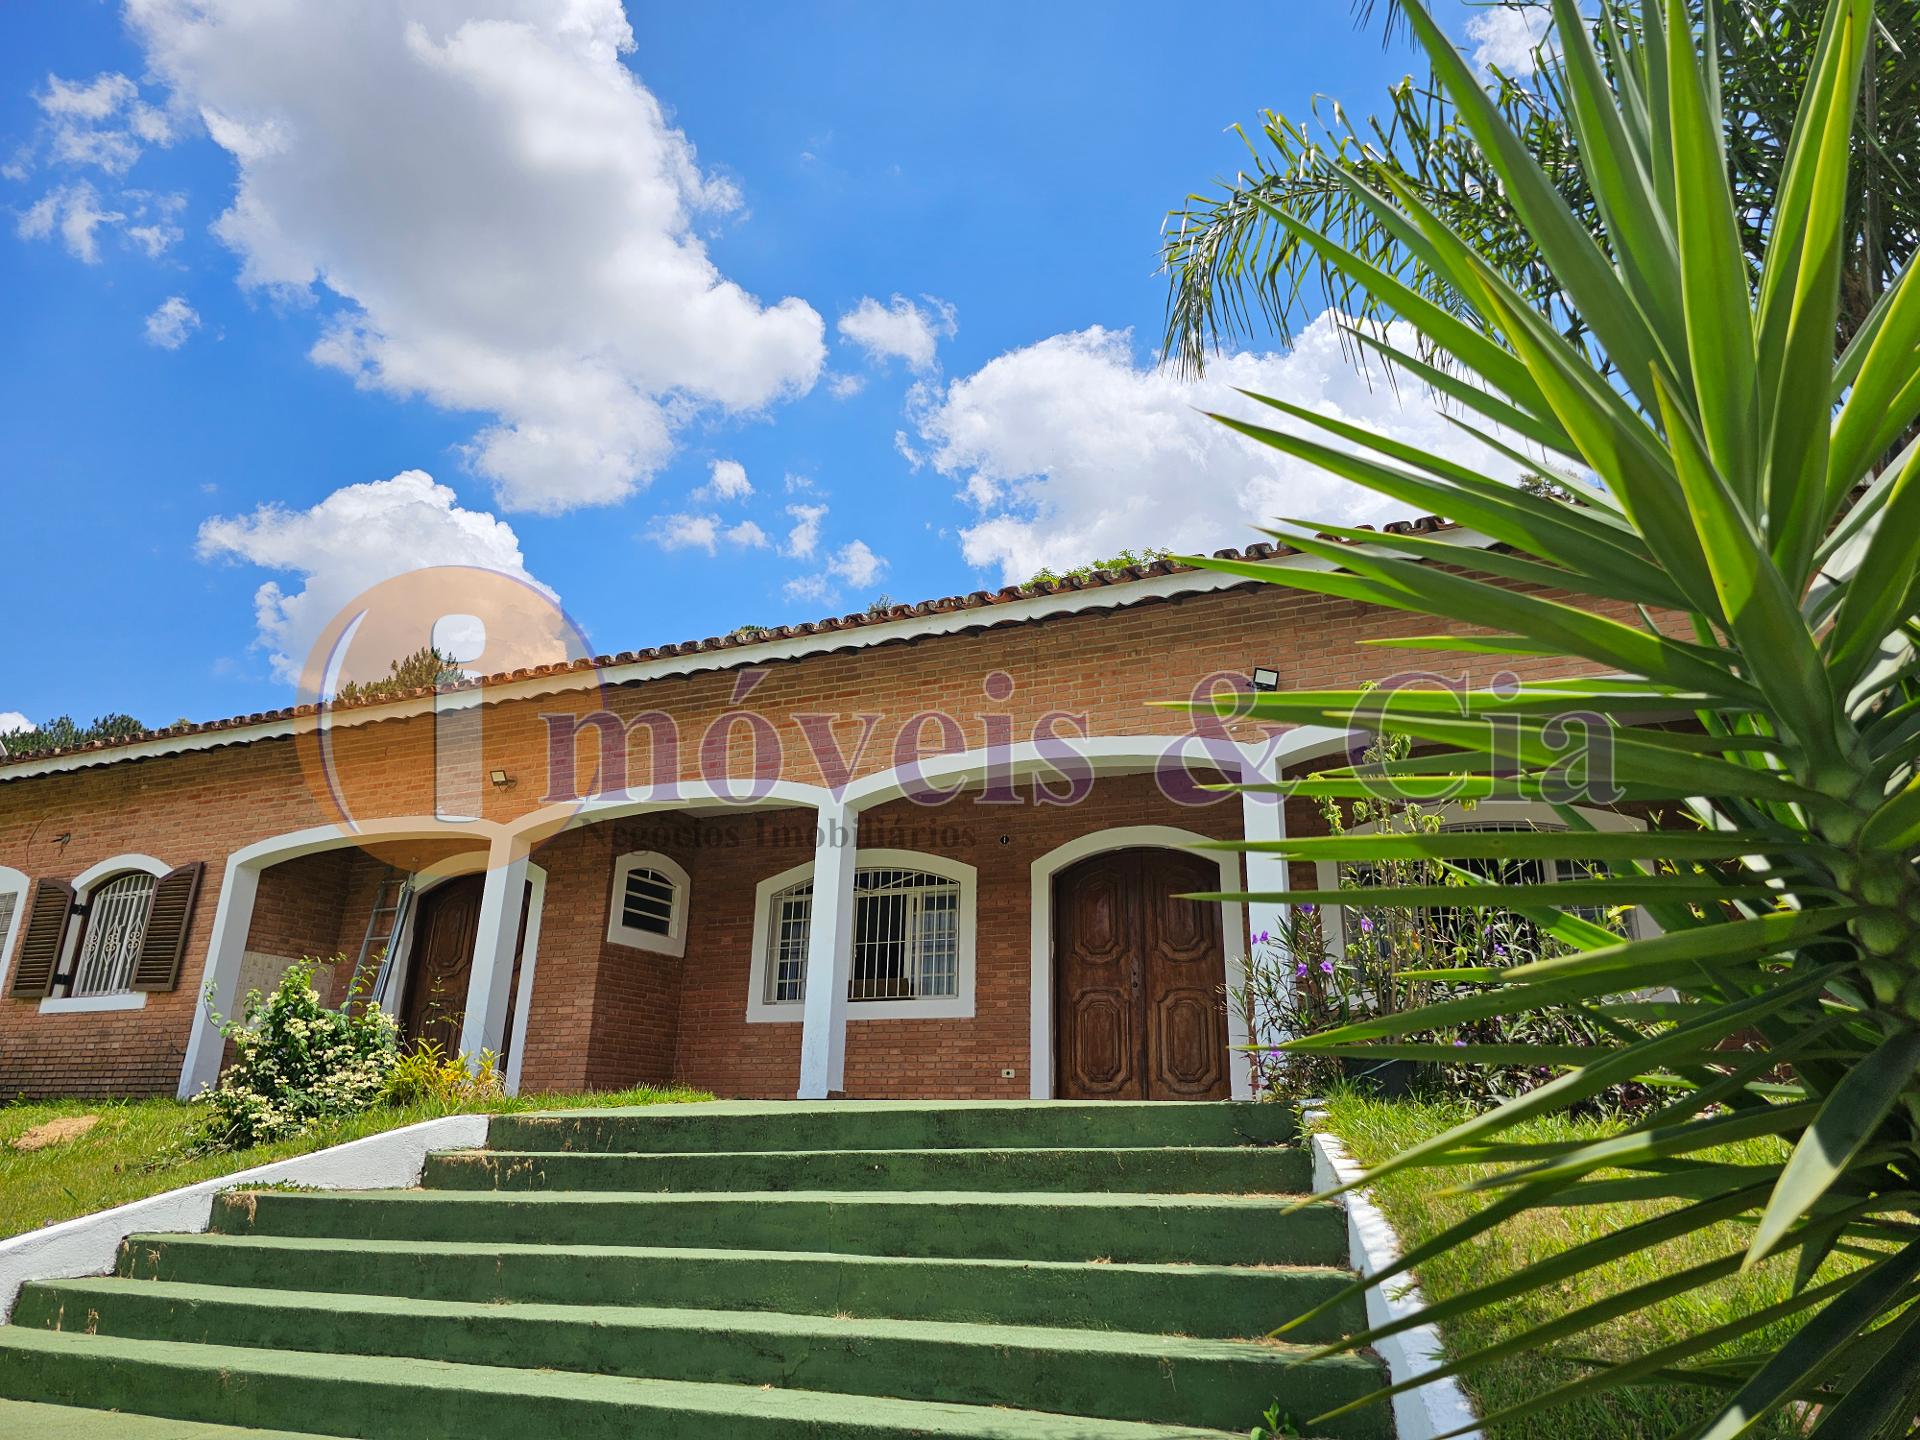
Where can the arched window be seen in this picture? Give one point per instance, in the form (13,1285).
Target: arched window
(912,939)
(117,911)
(649,906)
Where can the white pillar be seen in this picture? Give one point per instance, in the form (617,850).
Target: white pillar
(232,920)
(823,1031)
(1263,816)
(502,899)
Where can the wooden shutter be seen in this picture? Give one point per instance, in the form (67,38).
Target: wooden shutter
(47,916)
(165,942)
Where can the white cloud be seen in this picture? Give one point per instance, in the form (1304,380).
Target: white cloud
(102,122)
(845,387)
(705,532)
(808,587)
(856,564)
(1508,37)
(74,212)
(356,537)
(12,722)
(804,537)
(171,324)
(901,330)
(1070,451)
(728,481)
(505,213)
(853,563)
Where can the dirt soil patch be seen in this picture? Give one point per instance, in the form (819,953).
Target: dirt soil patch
(55,1132)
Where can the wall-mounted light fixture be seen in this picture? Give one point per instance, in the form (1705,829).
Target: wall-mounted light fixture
(1265,677)
(501,779)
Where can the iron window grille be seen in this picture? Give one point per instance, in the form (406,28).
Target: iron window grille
(116,923)
(906,938)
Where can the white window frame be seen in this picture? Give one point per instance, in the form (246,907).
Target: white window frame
(85,884)
(674,942)
(1457,817)
(958,1006)
(13,883)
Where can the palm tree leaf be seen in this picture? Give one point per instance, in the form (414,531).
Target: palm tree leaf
(1865,1096)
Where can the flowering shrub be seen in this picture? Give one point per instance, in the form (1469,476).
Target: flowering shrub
(1402,957)
(295,1062)
(427,1075)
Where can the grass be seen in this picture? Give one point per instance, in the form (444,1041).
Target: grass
(136,1148)
(1414,1202)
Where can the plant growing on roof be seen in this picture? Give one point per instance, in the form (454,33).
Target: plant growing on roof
(1758,497)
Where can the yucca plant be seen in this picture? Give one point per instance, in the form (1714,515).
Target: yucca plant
(1753,520)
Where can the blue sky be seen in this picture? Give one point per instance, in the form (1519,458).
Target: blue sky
(892,264)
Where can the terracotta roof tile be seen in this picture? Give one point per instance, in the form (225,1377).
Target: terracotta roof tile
(751,635)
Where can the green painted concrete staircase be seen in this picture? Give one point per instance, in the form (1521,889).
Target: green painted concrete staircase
(851,1271)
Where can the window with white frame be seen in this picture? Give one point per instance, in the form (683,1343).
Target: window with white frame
(648,910)
(912,940)
(117,910)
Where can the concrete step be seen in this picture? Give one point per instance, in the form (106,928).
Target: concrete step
(1222,1384)
(738,1125)
(386,1398)
(30,1421)
(1150,1229)
(1216,1170)
(1219,1301)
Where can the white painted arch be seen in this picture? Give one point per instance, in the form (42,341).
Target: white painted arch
(233,918)
(1040,909)
(15,883)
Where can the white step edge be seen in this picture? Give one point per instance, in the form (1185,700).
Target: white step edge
(88,1244)
(1440,1406)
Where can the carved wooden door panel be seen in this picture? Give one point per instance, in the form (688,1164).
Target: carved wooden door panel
(1186,1012)
(1138,974)
(1097,981)
(442,963)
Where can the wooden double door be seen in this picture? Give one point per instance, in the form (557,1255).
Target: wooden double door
(1139,979)
(440,966)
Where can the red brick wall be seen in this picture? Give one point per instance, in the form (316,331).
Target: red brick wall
(604,1015)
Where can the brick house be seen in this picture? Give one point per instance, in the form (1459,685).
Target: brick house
(968,812)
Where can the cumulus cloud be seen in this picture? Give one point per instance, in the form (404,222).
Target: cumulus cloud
(503,213)
(356,537)
(728,481)
(705,532)
(845,387)
(804,538)
(900,330)
(1070,450)
(854,564)
(1509,37)
(171,324)
(12,722)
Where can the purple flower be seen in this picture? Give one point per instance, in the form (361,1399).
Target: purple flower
(1307,909)
(1459,1044)
(1366,924)
(1264,937)
(1501,951)
(1300,971)
(1326,967)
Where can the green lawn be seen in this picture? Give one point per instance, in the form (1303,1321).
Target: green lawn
(1375,1130)
(134,1150)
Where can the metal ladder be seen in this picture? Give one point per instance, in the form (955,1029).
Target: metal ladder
(390,907)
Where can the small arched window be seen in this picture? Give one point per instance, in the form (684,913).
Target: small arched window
(649,906)
(117,911)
